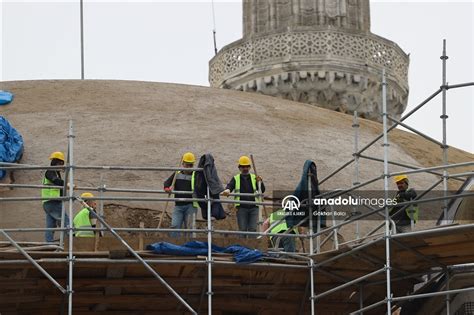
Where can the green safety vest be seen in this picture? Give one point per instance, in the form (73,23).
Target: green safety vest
(276,216)
(279,228)
(412,212)
(253,179)
(82,220)
(193,177)
(49,193)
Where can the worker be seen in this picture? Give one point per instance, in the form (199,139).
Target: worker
(86,217)
(184,212)
(277,224)
(51,206)
(246,183)
(404,220)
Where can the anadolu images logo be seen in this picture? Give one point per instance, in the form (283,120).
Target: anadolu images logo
(290,203)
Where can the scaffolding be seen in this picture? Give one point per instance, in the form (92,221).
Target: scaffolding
(314,263)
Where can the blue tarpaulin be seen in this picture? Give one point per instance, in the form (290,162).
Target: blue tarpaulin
(242,254)
(11,144)
(5,97)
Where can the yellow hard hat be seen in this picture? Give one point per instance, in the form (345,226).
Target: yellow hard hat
(399,178)
(244,161)
(188,157)
(87,195)
(57,155)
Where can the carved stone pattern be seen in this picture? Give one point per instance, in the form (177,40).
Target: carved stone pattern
(360,49)
(335,90)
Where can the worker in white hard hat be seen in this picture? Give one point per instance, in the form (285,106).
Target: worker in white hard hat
(404,220)
(185,181)
(245,182)
(51,206)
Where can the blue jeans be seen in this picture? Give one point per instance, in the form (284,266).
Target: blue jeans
(53,218)
(182,216)
(247,219)
(288,243)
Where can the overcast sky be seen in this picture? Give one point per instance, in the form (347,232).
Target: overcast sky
(172,42)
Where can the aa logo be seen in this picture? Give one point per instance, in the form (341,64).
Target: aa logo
(290,203)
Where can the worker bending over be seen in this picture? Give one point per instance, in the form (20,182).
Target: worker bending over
(86,218)
(277,224)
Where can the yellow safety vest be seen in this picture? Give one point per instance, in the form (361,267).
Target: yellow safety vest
(279,228)
(276,216)
(412,212)
(49,193)
(82,220)
(253,179)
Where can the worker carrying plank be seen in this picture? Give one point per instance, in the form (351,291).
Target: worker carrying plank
(245,182)
(404,220)
(184,211)
(51,206)
(86,218)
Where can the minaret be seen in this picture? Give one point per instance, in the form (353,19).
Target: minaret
(319,52)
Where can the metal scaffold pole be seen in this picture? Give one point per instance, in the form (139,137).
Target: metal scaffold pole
(102,188)
(209,253)
(63,210)
(443,117)
(361,298)
(70,227)
(385,183)
(448,299)
(356,182)
(311,246)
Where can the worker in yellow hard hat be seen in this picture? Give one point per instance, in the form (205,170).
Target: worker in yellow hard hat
(404,220)
(245,183)
(86,217)
(51,206)
(185,211)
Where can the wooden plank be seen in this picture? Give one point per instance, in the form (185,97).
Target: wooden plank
(111,243)
(113,272)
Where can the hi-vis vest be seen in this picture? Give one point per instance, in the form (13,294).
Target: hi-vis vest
(280,227)
(49,193)
(276,216)
(82,220)
(195,203)
(253,179)
(412,212)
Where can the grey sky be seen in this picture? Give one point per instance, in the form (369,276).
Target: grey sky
(172,42)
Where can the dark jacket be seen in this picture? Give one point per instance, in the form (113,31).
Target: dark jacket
(301,192)
(246,188)
(401,217)
(55,177)
(182,183)
(209,177)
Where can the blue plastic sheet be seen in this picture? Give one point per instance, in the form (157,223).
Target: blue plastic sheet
(242,255)
(11,144)
(5,97)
